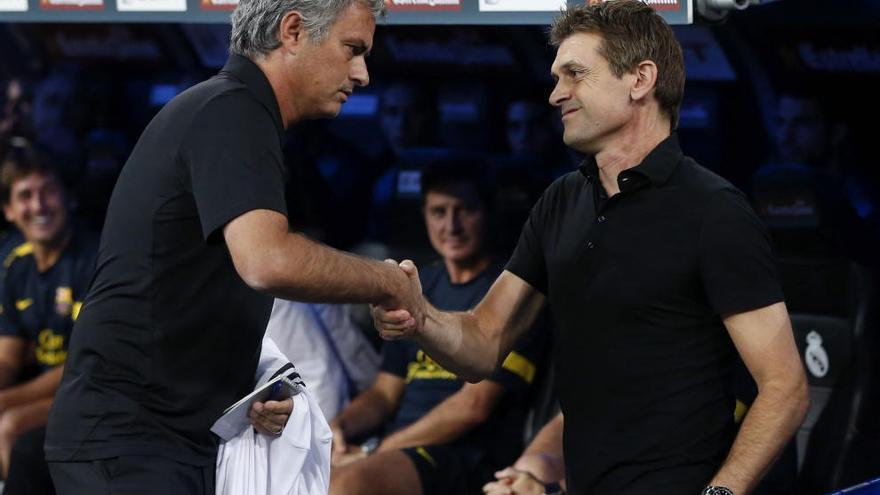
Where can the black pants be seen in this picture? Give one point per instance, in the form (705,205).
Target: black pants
(28,471)
(132,475)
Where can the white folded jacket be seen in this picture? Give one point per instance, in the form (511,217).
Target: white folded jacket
(295,463)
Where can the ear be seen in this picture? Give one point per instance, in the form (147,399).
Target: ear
(7,212)
(291,32)
(646,80)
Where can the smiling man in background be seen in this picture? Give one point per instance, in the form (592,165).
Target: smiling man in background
(43,288)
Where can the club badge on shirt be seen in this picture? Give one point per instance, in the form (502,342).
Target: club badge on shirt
(63,300)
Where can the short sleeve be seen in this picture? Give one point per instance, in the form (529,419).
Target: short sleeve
(395,357)
(234,159)
(736,261)
(521,366)
(527,261)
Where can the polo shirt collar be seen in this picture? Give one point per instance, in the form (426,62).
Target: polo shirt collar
(245,70)
(656,167)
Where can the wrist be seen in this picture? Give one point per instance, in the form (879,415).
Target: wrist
(336,427)
(717,490)
(370,446)
(553,489)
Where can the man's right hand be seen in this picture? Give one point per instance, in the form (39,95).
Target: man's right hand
(405,314)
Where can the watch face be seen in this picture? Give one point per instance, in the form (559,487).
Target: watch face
(717,490)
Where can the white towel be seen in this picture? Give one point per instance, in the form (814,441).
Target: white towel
(295,463)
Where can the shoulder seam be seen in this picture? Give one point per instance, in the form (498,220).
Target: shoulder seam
(19,251)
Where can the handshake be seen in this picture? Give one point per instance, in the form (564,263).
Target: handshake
(403,314)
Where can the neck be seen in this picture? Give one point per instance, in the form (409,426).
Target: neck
(628,149)
(462,272)
(46,254)
(283,86)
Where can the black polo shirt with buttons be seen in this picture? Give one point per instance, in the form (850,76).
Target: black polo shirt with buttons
(169,335)
(638,284)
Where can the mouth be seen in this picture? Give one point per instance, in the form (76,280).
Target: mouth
(41,220)
(346,93)
(566,113)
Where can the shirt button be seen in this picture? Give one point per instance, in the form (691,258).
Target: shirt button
(590,245)
(601,218)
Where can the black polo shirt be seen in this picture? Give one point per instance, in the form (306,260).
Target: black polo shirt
(169,334)
(637,283)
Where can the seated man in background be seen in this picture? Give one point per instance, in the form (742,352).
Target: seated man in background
(46,279)
(442,435)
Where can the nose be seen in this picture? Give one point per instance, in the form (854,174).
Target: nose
(558,95)
(454,224)
(784,133)
(359,73)
(38,201)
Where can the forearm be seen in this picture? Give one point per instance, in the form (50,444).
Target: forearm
(365,414)
(459,343)
(769,425)
(304,270)
(41,387)
(8,374)
(449,420)
(543,457)
(545,466)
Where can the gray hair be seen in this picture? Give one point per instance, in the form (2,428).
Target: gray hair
(255,23)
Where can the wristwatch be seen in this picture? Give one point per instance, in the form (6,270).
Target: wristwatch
(370,445)
(553,489)
(717,490)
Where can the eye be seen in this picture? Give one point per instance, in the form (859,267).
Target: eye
(356,49)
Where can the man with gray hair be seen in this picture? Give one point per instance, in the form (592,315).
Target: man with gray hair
(195,245)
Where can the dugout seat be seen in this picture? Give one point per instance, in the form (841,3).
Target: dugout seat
(832,299)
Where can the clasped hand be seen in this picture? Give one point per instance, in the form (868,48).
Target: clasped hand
(403,315)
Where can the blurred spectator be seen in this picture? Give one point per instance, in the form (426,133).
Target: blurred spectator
(106,151)
(532,129)
(809,133)
(811,186)
(533,160)
(328,349)
(45,283)
(15,122)
(408,117)
(441,435)
(58,119)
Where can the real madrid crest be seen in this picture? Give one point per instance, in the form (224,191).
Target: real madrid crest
(815,355)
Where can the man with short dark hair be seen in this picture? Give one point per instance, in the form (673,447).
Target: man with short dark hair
(656,271)
(195,245)
(439,434)
(45,282)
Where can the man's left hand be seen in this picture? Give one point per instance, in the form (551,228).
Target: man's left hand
(270,417)
(510,481)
